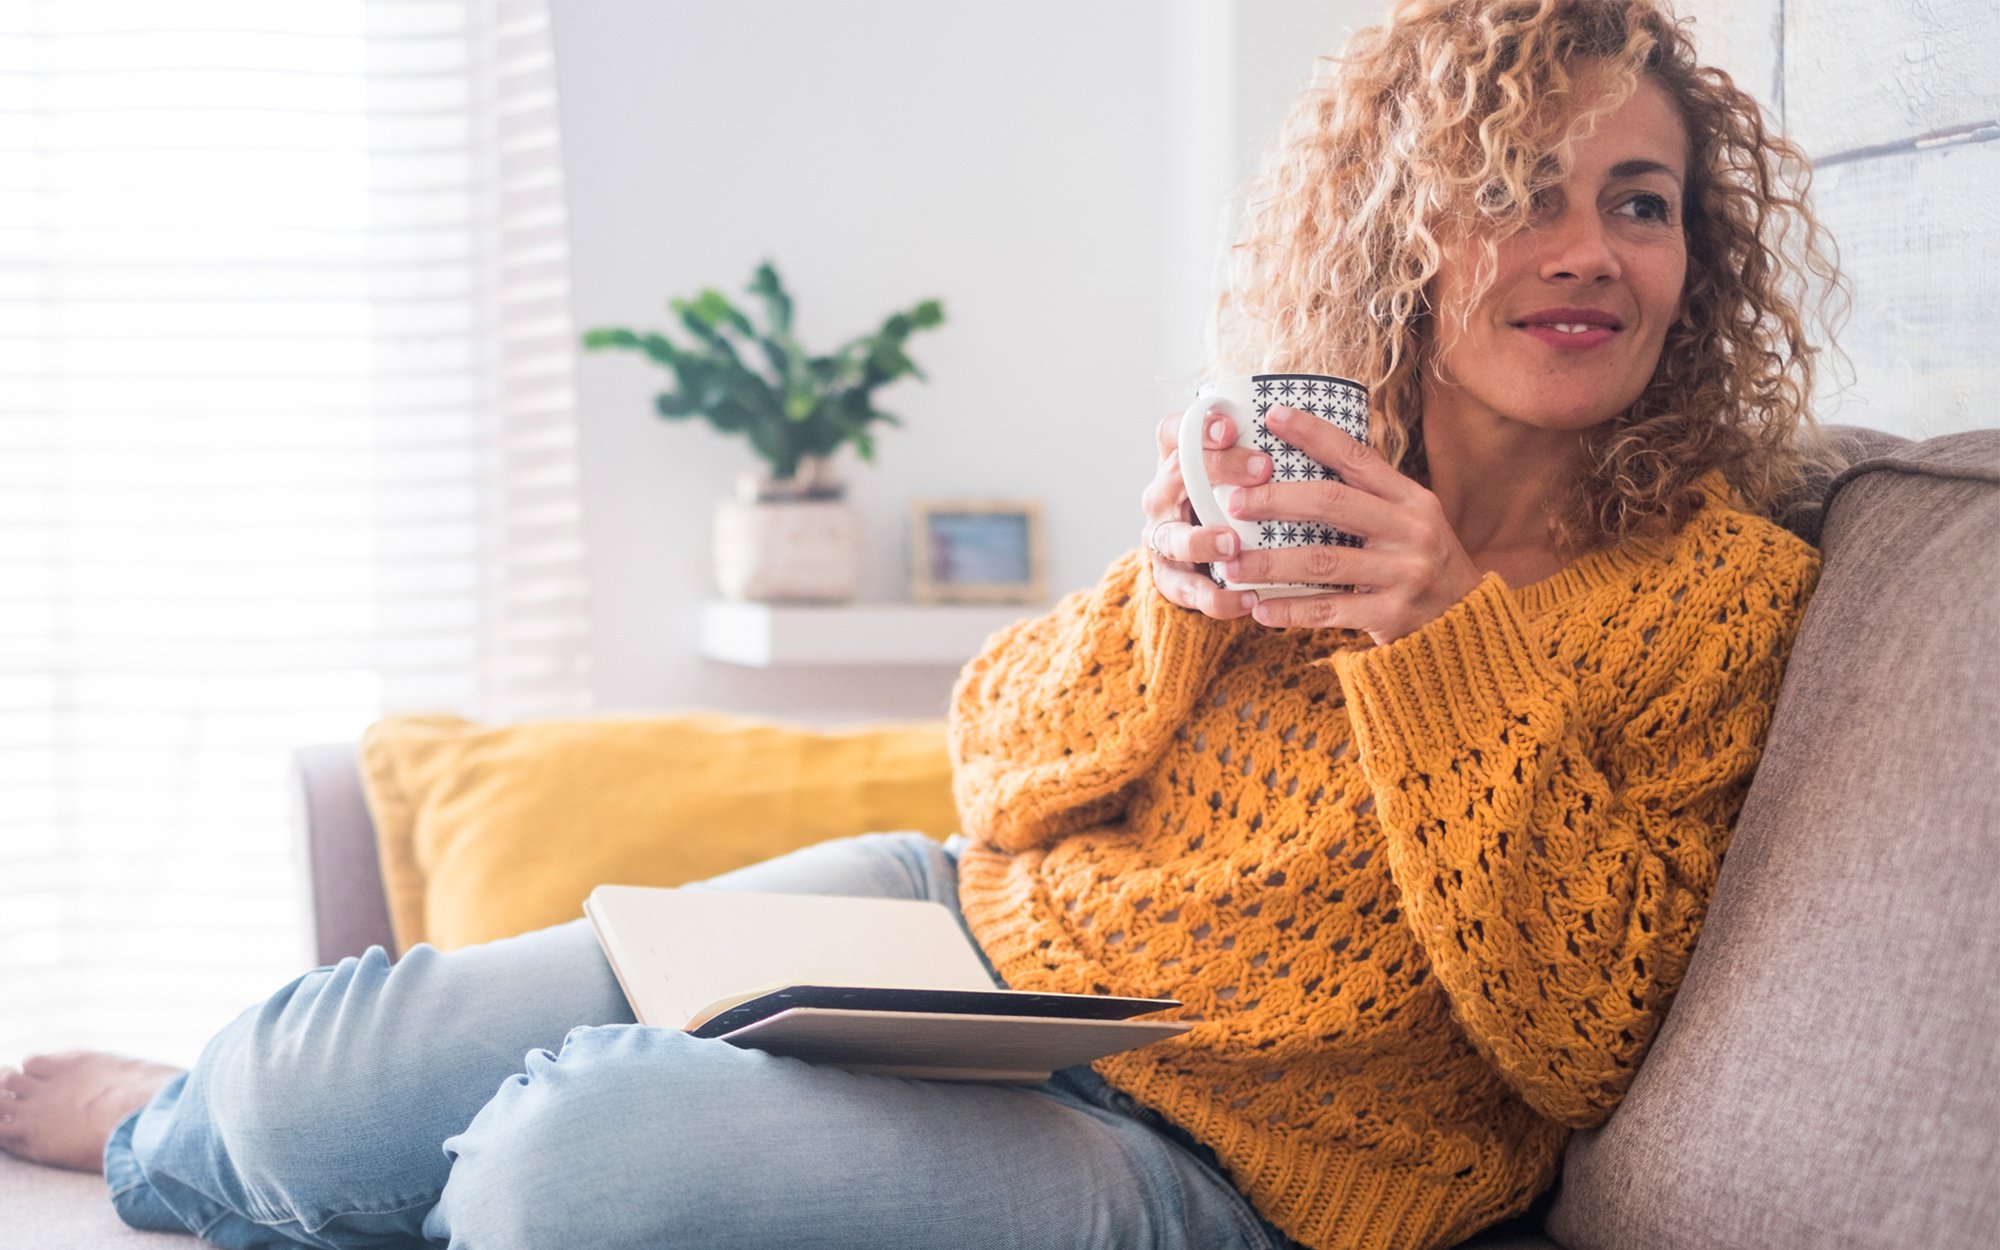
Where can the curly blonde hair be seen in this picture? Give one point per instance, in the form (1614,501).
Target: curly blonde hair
(1443,125)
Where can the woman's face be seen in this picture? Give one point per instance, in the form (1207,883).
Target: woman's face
(1605,251)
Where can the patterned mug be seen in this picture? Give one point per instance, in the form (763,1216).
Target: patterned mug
(1245,400)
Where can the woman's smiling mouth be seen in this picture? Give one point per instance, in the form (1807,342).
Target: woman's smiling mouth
(1571,327)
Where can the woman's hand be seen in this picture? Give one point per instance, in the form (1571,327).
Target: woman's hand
(1179,546)
(1410,568)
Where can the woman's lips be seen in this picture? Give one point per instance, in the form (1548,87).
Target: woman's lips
(1572,340)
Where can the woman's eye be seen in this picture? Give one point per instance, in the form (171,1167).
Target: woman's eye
(1649,207)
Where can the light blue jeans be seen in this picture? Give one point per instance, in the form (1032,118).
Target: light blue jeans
(501,1096)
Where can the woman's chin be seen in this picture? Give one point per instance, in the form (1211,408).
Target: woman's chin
(1568,420)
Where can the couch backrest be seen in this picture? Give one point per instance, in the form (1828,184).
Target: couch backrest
(1804,509)
(1829,1075)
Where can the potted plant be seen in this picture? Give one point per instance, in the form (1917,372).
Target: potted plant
(787,534)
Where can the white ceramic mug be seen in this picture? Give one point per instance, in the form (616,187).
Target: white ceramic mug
(1245,400)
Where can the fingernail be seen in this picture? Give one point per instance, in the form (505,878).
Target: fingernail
(1232,570)
(1226,544)
(1217,431)
(1277,416)
(1249,600)
(1258,465)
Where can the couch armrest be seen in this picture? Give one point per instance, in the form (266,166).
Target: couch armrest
(350,913)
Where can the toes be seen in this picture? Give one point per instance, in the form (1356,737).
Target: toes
(14,1083)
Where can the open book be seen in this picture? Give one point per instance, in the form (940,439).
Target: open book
(886,986)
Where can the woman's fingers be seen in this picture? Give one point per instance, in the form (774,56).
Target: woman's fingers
(1221,432)
(1227,465)
(1319,612)
(1358,464)
(1409,571)
(1237,466)
(1166,495)
(1359,567)
(1185,543)
(1187,587)
(1346,508)
(1371,499)
(1181,549)
(1172,531)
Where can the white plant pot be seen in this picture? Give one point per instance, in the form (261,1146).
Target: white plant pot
(778,551)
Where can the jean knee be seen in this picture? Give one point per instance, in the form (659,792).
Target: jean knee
(929,867)
(598,1145)
(306,1068)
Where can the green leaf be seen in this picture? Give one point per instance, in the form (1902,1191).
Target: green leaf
(698,325)
(818,438)
(609,337)
(804,404)
(775,445)
(779,353)
(715,308)
(675,405)
(752,392)
(890,361)
(777,304)
(726,416)
(660,348)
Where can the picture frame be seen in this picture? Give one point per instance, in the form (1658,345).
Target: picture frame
(976,551)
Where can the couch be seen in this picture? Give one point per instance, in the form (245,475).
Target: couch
(1829,1075)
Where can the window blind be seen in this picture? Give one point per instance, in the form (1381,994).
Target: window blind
(287,442)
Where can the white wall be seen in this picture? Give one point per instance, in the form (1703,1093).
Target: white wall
(1059,173)
(1901,125)
(1053,171)
(1005,158)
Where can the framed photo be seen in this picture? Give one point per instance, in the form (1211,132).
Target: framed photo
(976,551)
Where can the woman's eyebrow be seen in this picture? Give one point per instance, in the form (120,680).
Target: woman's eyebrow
(1633,168)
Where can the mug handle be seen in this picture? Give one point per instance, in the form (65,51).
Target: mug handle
(1194,468)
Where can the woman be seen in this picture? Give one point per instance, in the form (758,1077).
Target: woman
(1425,861)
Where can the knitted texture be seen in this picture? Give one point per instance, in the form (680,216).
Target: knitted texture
(1428,901)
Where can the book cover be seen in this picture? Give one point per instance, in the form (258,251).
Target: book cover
(887,986)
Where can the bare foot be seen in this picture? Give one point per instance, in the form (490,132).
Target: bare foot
(60,1109)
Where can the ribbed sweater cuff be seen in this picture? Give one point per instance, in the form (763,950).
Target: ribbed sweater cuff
(1180,644)
(1431,693)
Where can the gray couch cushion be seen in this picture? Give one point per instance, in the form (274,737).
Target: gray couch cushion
(1830,1073)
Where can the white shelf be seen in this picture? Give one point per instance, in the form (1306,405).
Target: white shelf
(769,635)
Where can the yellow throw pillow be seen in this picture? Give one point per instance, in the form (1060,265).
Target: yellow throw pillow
(488,831)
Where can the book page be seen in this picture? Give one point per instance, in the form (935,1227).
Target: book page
(677,951)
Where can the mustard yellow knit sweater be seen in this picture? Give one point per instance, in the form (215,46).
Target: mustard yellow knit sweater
(1429,901)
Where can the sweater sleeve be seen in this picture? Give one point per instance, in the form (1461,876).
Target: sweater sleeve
(1556,872)
(1058,715)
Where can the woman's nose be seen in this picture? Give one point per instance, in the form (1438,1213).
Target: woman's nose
(1579,248)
